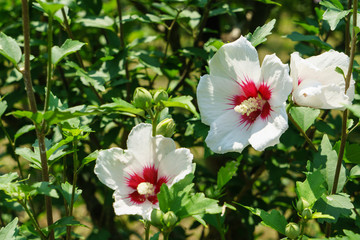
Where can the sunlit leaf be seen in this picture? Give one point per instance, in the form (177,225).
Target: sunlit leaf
(10,231)
(304,116)
(10,49)
(69,46)
(260,33)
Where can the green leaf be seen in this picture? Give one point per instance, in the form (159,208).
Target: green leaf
(65,221)
(312,188)
(44,188)
(57,146)
(151,62)
(50,7)
(89,158)
(23,130)
(8,177)
(295,36)
(155,236)
(333,17)
(226,173)
(355,109)
(10,231)
(29,155)
(69,46)
(352,152)
(182,102)
(193,17)
(269,2)
(3,107)
(10,49)
(355,172)
(123,107)
(138,41)
(304,116)
(66,191)
(334,205)
(97,79)
(333,4)
(274,219)
(35,117)
(320,215)
(351,235)
(331,159)
(260,33)
(104,22)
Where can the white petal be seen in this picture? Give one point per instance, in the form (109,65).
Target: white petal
(266,133)
(109,167)
(295,61)
(330,59)
(146,150)
(123,206)
(236,60)
(276,75)
(176,165)
(213,94)
(227,135)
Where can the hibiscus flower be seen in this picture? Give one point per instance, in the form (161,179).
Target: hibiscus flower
(316,83)
(136,174)
(243,103)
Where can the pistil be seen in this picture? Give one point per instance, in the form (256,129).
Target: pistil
(249,105)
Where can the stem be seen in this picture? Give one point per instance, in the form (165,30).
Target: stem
(75,160)
(147,230)
(26,72)
(30,93)
(345,113)
(308,140)
(222,234)
(36,225)
(49,70)
(123,47)
(14,155)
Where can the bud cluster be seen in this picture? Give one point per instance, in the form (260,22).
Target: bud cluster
(163,220)
(145,100)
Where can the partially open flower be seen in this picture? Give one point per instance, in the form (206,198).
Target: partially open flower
(136,174)
(316,83)
(243,103)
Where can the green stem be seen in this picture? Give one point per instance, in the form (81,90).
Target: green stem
(36,225)
(154,123)
(308,140)
(147,230)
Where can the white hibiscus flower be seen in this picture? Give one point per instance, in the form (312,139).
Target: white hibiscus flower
(136,174)
(243,103)
(316,83)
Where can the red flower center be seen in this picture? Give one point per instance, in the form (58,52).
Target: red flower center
(252,102)
(146,185)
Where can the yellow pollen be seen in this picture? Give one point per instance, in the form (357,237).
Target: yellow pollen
(249,105)
(146,188)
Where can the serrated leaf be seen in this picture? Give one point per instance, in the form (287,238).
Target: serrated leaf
(10,231)
(66,190)
(69,46)
(104,22)
(333,17)
(330,165)
(10,49)
(355,172)
(89,158)
(312,188)
(274,219)
(260,33)
(23,130)
(304,116)
(8,177)
(226,173)
(334,205)
(182,102)
(50,7)
(29,155)
(44,188)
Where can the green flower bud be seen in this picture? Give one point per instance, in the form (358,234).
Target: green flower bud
(170,219)
(307,213)
(292,230)
(302,204)
(157,217)
(142,98)
(166,127)
(160,95)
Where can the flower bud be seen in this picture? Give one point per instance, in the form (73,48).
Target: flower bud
(302,204)
(157,217)
(292,230)
(166,127)
(160,95)
(170,219)
(307,213)
(142,98)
